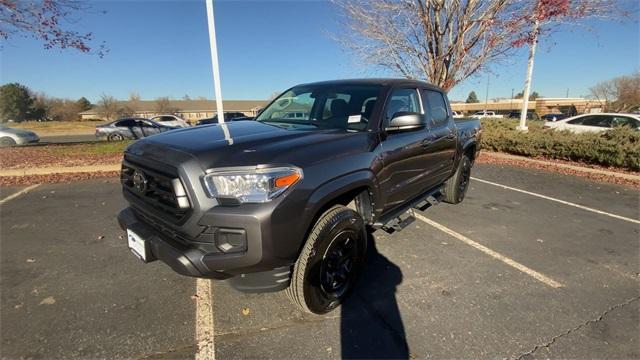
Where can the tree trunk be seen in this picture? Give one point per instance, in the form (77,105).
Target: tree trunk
(527,81)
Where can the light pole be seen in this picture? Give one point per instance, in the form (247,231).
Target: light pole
(214,61)
(486,95)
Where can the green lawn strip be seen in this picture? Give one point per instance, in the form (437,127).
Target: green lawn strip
(97,148)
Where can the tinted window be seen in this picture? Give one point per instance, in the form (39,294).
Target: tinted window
(436,107)
(125,123)
(402,100)
(579,120)
(332,103)
(321,107)
(598,120)
(624,121)
(145,123)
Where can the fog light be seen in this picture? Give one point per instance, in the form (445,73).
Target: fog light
(231,240)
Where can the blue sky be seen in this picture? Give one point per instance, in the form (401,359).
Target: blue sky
(161,48)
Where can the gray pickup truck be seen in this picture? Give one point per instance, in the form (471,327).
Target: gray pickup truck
(286,201)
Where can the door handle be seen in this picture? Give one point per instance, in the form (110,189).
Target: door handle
(451,136)
(426,142)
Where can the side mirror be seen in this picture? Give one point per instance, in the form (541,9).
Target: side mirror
(406,121)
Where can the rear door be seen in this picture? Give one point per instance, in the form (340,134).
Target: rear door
(440,146)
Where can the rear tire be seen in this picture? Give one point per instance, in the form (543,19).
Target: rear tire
(330,261)
(7,141)
(115,137)
(456,187)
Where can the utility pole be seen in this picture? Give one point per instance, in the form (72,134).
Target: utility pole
(214,61)
(511,104)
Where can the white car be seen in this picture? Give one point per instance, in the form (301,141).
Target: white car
(486,114)
(594,122)
(457,114)
(170,120)
(10,137)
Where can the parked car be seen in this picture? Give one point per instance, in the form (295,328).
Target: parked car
(286,203)
(594,122)
(554,117)
(486,114)
(10,136)
(130,128)
(228,116)
(170,120)
(457,114)
(516,115)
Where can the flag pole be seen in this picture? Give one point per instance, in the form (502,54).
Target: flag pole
(214,61)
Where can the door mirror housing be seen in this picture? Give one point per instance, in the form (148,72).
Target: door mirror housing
(406,121)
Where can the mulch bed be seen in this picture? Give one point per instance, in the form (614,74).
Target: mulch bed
(54,178)
(52,155)
(488,158)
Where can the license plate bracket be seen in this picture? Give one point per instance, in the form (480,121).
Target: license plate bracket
(137,245)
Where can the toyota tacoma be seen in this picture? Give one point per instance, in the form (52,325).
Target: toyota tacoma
(285,201)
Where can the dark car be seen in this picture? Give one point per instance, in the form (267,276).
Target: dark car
(287,203)
(130,128)
(228,116)
(554,117)
(516,115)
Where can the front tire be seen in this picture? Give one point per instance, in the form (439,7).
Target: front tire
(456,187)
(7,141)
(330,261)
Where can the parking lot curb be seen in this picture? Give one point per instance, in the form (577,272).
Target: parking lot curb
(620,175)
(59,170)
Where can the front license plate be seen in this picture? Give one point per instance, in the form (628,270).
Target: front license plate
(137,245)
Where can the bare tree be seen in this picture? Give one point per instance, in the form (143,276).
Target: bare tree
(108,107)
(447,41)
(134,96)
(47,21)
(621,94)
(443,42)
(163,106)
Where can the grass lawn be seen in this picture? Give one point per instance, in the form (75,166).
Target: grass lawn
(97,148)
(60,127)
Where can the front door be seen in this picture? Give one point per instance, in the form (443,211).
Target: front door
(403,153)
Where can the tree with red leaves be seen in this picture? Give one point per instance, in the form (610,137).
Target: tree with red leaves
(447,41)
(537,20)
(47,21)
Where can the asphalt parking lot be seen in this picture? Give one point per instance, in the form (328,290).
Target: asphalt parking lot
(506,274)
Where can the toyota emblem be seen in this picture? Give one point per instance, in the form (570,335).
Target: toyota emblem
(140,181)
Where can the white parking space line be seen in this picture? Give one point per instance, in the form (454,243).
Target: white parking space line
(559,201)
(534,274)
(15,195)
(204,321)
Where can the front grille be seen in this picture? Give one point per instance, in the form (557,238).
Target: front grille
(157,195)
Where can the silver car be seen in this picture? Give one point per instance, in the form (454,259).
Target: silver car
(10,136)
(130,128)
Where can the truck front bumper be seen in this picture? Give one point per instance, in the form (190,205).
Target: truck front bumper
(251,269)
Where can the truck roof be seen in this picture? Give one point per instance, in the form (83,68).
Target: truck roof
(377,81)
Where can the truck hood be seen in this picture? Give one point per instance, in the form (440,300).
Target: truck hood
(246,143)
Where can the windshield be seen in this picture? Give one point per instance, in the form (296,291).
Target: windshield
(346,107)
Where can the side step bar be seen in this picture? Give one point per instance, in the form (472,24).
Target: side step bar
(404,216)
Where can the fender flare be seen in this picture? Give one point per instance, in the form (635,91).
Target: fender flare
(335,188)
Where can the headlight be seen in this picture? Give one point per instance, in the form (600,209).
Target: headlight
(250,185)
